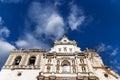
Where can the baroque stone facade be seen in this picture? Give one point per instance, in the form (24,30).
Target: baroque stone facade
(65,61)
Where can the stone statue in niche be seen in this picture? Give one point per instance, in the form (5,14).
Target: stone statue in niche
(59,49)
(83,69)
(58,62)
(49,60)
(70,49)
(48,68)
(73,61)
(57,68)
(74,69)
(65,49)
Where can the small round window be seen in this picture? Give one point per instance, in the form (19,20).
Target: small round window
(65,40)
(19,74)
(106,75)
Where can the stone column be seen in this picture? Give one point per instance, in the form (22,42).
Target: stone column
(26,59)
(10,60)
(76,63)
(54,62)
(89,66)
(22,62)
(37,61)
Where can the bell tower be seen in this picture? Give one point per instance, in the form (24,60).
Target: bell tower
(24,59)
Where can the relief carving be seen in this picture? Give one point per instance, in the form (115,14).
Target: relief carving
(81,61)
(57,68)
(49,60)
(83,69)
(73,62)
(74,69)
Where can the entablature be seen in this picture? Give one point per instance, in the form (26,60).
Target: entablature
(28,50)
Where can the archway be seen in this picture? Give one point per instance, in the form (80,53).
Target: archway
(17,60)
(32,60)
(65,66)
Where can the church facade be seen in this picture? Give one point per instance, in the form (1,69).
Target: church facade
(65,61)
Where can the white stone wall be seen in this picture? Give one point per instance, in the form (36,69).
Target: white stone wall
(13,74)
(69,49)
(100,73)
(92,62)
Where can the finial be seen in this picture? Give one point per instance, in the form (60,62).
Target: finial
(87,49)
(64,36)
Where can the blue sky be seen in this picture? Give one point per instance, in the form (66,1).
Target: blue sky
(38,23)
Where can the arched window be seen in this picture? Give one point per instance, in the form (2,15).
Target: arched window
(17,60)
(65,66)
(81,60)
(32,60)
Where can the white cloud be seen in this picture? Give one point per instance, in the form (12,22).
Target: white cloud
(58,2)
(47,20)
(5,47)
(22,43)
(76,18)
(103,47)
(118,67)
(48,25)
(115,52)
(115,65)
(113,56)
(4,32)
(55,26)
(10,1)
(29,41)
(1,21)
(45,24)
